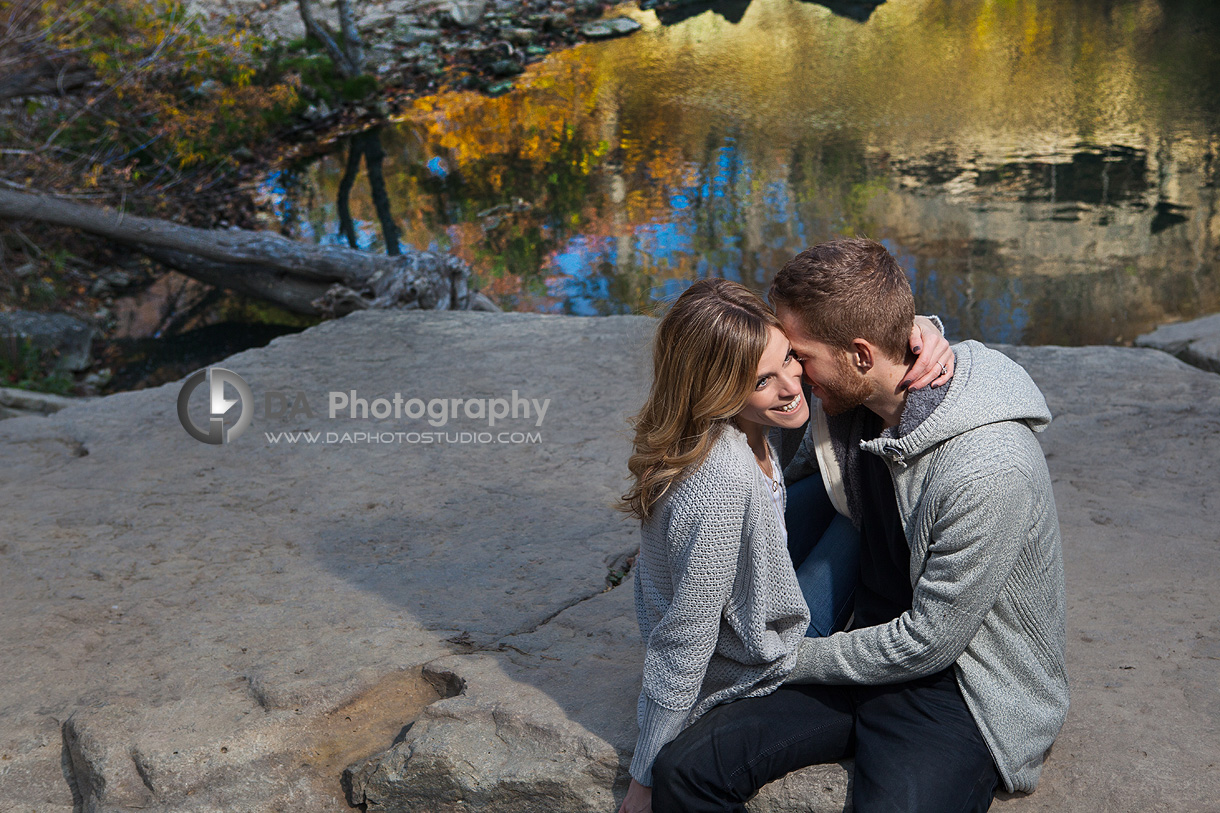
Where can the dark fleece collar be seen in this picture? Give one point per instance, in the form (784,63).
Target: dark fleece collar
(920,405)
(847,433)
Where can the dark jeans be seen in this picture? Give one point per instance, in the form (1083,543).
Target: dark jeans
(916,748)
(825,550)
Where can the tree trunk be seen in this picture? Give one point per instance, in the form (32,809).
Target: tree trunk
(353,47)
(374,154)
(44,80)
(317,280)
(343,201)
(349,60)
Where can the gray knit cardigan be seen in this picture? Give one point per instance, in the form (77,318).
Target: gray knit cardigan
(715,595)
(975,499)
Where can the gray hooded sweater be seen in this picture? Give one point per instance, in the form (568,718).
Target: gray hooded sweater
(975,500)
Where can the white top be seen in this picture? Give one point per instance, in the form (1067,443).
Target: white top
(777,495)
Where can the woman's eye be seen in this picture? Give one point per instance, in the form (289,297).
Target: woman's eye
(762,382)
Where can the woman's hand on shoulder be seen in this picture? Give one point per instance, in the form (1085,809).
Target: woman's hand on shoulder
(934,358)
(637,800)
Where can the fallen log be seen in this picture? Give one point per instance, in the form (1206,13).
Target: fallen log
(44,80)
(307,279)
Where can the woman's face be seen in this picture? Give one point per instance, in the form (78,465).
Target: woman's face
(777,398)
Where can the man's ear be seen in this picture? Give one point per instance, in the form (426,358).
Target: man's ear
(863,355)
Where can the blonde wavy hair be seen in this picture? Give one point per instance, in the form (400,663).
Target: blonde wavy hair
(705,365)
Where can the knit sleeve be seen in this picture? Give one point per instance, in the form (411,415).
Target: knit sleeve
(703,538)
(935,320)
(658,726)
(979,533)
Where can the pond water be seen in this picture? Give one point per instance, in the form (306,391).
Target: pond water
(1045,171)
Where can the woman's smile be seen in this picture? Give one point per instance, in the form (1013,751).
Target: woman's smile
(791,406)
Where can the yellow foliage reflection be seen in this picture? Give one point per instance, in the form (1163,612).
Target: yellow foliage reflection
(1021,157)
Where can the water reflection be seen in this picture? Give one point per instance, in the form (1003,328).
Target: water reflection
(367,146)
(1044,171)
(730,10)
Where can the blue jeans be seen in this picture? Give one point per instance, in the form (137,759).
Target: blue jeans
(825,550)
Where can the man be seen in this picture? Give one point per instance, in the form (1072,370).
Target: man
(951,678)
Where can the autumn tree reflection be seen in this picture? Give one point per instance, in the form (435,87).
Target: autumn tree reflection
(1035,165)
(367,146)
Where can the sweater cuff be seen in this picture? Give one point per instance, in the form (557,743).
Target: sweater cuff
(934,319)
(658,725)
(804,671)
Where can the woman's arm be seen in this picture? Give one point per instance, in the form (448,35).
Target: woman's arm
(703,539)
(934,358)
(637,800)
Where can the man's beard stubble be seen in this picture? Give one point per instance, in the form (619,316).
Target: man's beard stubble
(846,390)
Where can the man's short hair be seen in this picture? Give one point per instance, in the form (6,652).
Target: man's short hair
(849,289)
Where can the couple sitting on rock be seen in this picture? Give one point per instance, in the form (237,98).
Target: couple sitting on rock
(905,607)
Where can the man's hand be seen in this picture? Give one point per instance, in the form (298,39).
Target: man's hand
(638,799)
(934,358)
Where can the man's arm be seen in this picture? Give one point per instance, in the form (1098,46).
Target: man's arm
(977,536)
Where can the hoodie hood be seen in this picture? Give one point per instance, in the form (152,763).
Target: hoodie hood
(987,387)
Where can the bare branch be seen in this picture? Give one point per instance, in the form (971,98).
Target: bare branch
(45,80)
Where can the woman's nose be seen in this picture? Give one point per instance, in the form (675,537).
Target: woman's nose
(790,382)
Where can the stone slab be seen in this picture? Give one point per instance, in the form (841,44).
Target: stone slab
(191,627)
(1196,342)
(173,599)
(65,337)
(613,27)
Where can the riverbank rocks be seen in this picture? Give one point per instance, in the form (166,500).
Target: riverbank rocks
(420,613)
(614,27)
(67,338)
(1196,342)
(466,13)
(455,31)
(410,35)
(16,402)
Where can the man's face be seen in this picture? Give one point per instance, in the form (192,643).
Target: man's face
(829,372)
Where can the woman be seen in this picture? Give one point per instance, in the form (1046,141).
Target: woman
(717,597)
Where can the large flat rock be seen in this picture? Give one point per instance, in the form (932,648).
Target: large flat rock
(189,610)
(194,627)
(1196,342)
